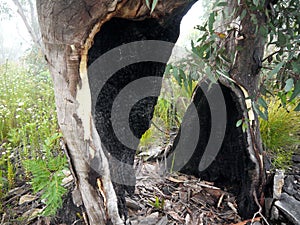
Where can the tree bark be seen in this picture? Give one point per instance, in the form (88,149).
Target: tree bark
(69,29)
(77,33)
(238,164)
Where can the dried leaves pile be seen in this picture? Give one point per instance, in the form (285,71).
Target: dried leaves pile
(178,199)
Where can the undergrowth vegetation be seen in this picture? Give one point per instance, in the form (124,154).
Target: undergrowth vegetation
(280,132)
(171,105)
(29,134)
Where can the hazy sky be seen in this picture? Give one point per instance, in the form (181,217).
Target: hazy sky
(14,37)
(14,31)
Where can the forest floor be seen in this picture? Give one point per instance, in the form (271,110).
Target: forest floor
(178,199)
(160,199)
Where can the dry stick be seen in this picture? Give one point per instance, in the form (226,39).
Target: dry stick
(85,218)
(76,221)
(259,210)
(3,218)
(220,200)
(208,186)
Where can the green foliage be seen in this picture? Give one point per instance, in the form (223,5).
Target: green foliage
(184,75)
(280,133)
(27,106)
(147,138)
(158,204)
(282,62)
(47,177)
(171,105)
(29,135)
(27,110)
(10,174)
(280,71)
(210,47)
(164,110)
(7,172)
(165,119)
(244,123)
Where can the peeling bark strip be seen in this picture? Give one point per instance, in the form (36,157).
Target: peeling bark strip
(68,29)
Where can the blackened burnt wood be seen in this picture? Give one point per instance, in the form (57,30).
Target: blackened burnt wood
(114,34)
(232,167)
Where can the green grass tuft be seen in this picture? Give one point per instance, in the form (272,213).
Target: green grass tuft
(280,133)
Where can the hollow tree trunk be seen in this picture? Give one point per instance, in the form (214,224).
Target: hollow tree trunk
(75,34)
(224,153)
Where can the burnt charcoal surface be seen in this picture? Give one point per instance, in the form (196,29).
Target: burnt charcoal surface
(231,169)
(114,33)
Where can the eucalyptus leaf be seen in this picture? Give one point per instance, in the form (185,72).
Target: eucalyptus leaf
(244,127)
(297,108)
(281,39)
(289,85)
(176,75)
(239,123)
(256,2)
(276,69)
(211,21)
(263,31)
(296,66)
(148,4)
(168,68)
(154,3)
(254,19)
(262,102)
(264,116)
(243,14)
(296,91)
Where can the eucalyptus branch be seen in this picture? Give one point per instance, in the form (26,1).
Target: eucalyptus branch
(276,52)
(267,57)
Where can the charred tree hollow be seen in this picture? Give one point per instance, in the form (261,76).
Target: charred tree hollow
(231,168)
(114,34)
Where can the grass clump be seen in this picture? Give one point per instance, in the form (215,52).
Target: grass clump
(280,133)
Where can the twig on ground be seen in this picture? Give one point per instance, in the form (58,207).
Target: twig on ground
(259,210)
(220,200)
